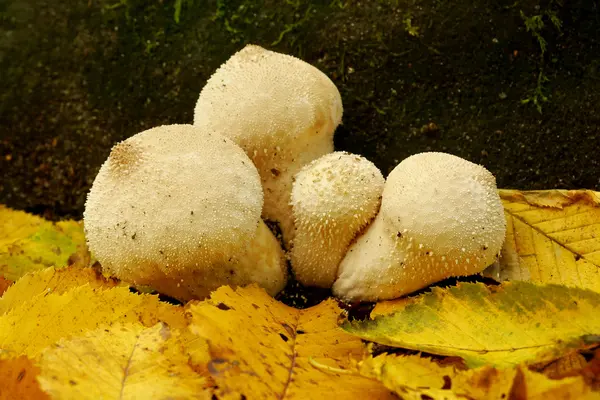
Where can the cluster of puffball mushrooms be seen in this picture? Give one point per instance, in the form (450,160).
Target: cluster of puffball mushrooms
(182,208)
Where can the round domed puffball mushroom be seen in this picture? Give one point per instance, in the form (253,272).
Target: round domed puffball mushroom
(281,110)
(440,216)
(178,209)
(333,198)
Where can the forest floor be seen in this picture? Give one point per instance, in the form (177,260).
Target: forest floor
(514,86)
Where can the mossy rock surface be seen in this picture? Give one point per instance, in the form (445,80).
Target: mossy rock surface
(414,76)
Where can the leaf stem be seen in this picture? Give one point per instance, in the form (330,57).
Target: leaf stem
(330,369)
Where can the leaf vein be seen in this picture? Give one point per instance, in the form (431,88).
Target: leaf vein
(538,230)
(126,369)
(293,359)
(564,229)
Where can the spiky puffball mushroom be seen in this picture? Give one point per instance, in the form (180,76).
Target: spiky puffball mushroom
(333,198)
(440,216)
(179,209)
(281,110)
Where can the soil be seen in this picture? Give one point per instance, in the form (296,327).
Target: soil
(76,77)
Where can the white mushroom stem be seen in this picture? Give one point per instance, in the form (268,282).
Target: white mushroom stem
(281,110)
(333,199)
(265,261)
(441,216)
(277,176)
(372,266)
(262,262)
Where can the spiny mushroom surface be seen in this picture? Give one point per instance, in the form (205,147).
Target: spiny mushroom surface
(179,209)
(333,199)
(281,110)
(440,216)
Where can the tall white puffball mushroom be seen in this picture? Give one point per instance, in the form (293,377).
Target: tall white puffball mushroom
(179,209)
(281,110)
(333,199)
(440,216)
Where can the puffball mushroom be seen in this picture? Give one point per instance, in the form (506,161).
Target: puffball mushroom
(281,110)
(440,216)
(333,199)
(179,209)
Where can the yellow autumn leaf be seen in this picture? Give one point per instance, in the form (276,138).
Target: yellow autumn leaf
(532,385)
(574,364)
(569,365)
(120,362)
(46,318)
(261,348)
(410,377)
(18,380)
(417,378)
(553,236)
(51,280)
(517,322)
(29,242)
(391,306)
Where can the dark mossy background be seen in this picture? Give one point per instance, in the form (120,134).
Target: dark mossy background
(415,75)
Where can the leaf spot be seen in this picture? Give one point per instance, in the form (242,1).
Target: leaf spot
(289,329)
(447,383)
(215,367)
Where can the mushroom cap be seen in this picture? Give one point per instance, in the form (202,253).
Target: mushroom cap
(281,110)
(264,261)
(333,199)
(446,205)
(340,187)
(170,200)
(259,98)
(441,216)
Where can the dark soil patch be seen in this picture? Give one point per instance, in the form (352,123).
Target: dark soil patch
(414,76)
(76,77)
